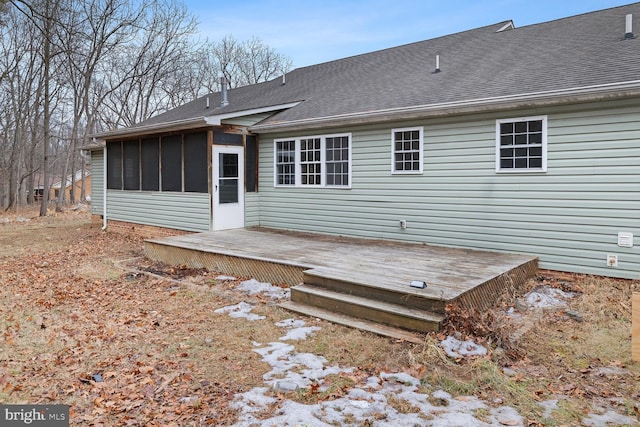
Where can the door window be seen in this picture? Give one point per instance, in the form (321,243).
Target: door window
(228,178)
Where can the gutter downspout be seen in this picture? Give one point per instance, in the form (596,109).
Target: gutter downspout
(104,189)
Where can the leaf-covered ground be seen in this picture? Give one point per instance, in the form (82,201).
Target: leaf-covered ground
(82,325)
(120,348)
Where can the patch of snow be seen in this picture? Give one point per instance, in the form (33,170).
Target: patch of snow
(512,313)
(300,333)
(253,287)
(239,310)
(224,278)
(291,323)
(549,406)
(609,371)
(457,349)
(545,297)
(368,403)
(373,382)
(400,378)
(188,399)
(609,418)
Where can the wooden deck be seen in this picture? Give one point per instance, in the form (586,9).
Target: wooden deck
(352,269)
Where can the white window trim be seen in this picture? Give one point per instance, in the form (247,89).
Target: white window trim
(299,161)
(420,129)
(298,173)
(275,162)
(544,145)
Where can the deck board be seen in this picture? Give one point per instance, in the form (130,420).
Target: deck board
(449,272)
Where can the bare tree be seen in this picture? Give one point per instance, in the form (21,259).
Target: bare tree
(22,85)
(144,78)
(259,62)
(90,31)
(248,62)
(69,68)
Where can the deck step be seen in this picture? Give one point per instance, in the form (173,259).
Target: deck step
(352,283)
(361,307)
(352,322)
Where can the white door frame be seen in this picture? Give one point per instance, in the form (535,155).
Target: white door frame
(229,214)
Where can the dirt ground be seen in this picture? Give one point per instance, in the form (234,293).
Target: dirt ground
(83,323)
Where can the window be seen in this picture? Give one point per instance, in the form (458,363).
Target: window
(337,160)
(521,144)
(285,163)
(228,177)
(407,151)
(171,160)
(318,161)
(310,162)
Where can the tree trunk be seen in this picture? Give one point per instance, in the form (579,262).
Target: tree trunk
(47,108)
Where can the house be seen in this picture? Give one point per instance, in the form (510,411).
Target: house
(522,140)
(71,184)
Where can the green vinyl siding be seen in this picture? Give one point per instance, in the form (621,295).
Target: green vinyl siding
(97,182)
(251,209)
(181,211)
(569,216)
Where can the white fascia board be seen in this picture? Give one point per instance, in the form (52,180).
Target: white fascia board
(218,118)
(580,94)
(213,120)
(157,127)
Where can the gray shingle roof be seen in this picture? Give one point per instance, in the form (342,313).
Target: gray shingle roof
(571,53)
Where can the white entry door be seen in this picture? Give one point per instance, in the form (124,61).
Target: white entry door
(228,187)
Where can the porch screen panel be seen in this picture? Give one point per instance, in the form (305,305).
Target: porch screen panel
(150,149)
(171,163)
(131,165)
(196,161)
(251,164)
(221,138)
(114,165)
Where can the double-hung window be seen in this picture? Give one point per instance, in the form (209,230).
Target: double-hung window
(310,161)
(315,161)
(286,162)
(521,144)
(406,151)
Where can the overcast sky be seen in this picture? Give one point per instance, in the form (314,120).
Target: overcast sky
(311,32)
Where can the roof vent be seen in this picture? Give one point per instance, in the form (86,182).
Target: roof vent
(284,79)
(223,83)
(508,26)
(207,102)
(628,28)
(437,70)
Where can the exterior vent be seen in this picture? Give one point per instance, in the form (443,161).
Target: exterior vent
(223,84)
(628,27)
(437,70)
(508,26)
